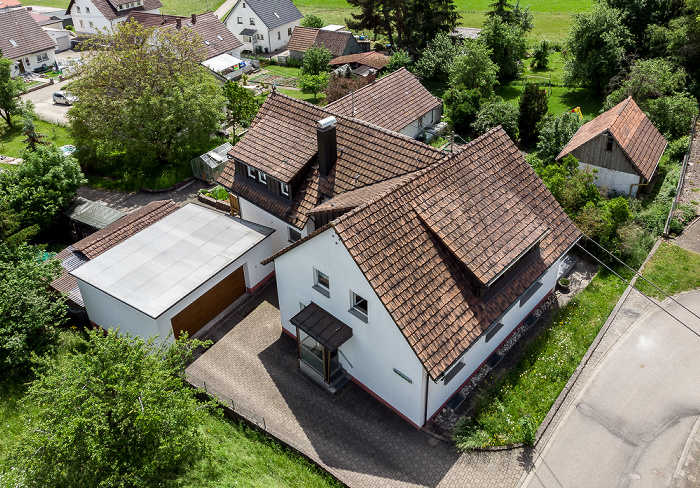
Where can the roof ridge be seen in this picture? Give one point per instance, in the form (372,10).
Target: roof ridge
(624,104)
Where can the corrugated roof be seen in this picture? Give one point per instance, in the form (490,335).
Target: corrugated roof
(20,35)
(634,132)
(93,214)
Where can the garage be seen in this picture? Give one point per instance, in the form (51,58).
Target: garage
(176,275)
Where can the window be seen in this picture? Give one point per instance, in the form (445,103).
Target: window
(289,32)
(91,24)
(262,177)
(294,235)
(87,10)
(247,39)
(82,24)
(284,189)
(121,7)
(239,20)
(252,21)
(279,35)
(609,146)
(358,306)
(321,283)
(252,173)
(243,4)
(77,9)
(260,37)
(42,57)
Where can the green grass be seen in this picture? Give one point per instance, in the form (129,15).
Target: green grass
(526,393)
(673,269)
(239,456)
(286,71)
(11,139)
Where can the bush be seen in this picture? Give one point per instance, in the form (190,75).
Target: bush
(311,20)
(677,149)
(632,244)
(672,115)
(378,46)
(541,54)
(497,112)
(555,133)
(461,106)
(533,107)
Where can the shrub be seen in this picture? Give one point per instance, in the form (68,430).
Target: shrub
(462,106)
(632,244)
(555,133)
(673,114)
(378,46)
(497,112)
(311,20)
(541,54)
(533,107)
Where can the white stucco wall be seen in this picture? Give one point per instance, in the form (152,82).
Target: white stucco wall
(269,41)
(31,63)
(280,239)
(95,16)
(614,180)
(426,120)
(106,311)
(376,347)
(478,353)
(61,37)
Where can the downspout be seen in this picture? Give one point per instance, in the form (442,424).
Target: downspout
(426,379)
(637,185)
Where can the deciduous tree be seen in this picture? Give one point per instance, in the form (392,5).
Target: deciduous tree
(311,20)
(241,106)
(436,60)
(316,61)
(474,69)
(313,84)
(10,90)
(555,133)
(507,44)
(339,86)
(497,112)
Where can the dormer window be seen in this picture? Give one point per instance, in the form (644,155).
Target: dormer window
(609,145)
(252,173)
(262,177)
(284,189)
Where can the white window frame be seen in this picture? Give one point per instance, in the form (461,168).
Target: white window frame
(261,37)
(293,238)
(284,189)
(262,177)
(42,57)
(252,172)
(91,24)
(247,39)
(355,310)
(252,21)
(239,20)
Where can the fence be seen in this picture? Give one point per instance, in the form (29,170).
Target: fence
(681,178)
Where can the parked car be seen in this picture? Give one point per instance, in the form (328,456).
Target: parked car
(64,97)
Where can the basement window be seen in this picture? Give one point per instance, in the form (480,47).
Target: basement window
(609,145)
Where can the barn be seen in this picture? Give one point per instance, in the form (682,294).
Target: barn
(176,275)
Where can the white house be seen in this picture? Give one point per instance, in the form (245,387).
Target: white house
(24,42)
(397,102)
(287,164)
(91,15)
(622,145)
(263,25)
(176,275)
(410,293)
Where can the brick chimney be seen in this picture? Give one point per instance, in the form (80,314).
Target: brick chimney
(194,19)
(327,144)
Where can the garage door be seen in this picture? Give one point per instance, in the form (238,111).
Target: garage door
(212,303)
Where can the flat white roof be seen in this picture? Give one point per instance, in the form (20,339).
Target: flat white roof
(159,266)
(221,62)
(333,27)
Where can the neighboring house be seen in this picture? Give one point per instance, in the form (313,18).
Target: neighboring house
(91,15)
(85,217)
(45,21)
(263,25)
(95,244)
(286,164)
(177,274)
(54,13)
(363,64)
(61,37)
(24,42)
(411,290)
(9,4)
(339,43)
(622,145)
(397,102)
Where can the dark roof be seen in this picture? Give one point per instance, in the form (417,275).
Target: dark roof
(110,8)
(92,214)
(282,142)
(487,197)
(392,102)
(215,35)
(372,59)
(304,38)
(95,244)
(634,132)
(20,35)
(153,20)
(248,31)
(322,326)
(274,13)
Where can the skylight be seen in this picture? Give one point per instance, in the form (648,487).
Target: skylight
(219,37)
(276,15)
(13,42)
(207,43)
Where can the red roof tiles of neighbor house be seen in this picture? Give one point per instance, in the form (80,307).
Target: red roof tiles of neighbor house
(372,59)
(110,8)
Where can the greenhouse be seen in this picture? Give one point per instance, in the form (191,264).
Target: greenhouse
(209,166)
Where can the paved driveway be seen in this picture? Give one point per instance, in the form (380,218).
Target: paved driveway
(350,433)
(630,424)
(44,108)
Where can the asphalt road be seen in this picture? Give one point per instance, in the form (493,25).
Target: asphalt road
(630,423)
(44,107)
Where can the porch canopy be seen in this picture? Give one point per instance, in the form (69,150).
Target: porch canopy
(330,332)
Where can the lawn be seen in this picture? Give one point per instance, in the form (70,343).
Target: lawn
(239,455)
(11,139)
(673,269)
(511,409)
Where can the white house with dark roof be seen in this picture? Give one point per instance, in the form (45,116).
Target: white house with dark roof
(89,16)
(409,292)
(263,25)
(24,42)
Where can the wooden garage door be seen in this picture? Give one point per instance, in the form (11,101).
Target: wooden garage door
(212,303)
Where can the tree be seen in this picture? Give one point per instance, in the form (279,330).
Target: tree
(117,414)
(497,112)
(41,187)
(672,115)
(313,84)
(29,312)
(339,86)
(311,20)
(502,9)
(461,107)
(10,90)
(541,54)
(428,18)
(474,69)
(596,46)
(638,15)
(144,99)
(648,79)
(436,60)
(571,187)
(316,61)
(33,137)
(241,106)
(555,133)
(533,106)
(399,59)
(522,17)
(376,16)
(507,44)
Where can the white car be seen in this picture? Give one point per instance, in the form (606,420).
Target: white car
(64,97)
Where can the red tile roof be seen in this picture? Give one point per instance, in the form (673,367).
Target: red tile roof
(639,139)
(392,102)
(302,38)
(215,35)
(282,142)
(110,8)
(153,20)
(418,273)
(21,36)
(372,59)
